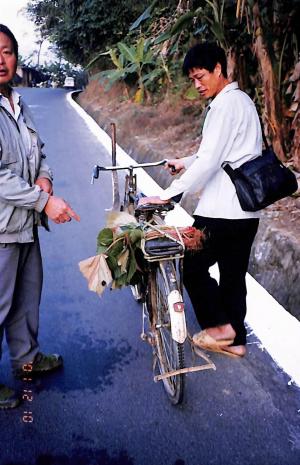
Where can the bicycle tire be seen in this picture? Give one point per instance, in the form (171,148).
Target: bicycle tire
(170,354)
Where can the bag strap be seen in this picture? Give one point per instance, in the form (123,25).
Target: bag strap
(226,166)
(230,171)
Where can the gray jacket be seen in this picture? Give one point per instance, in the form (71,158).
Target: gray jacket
(21,202)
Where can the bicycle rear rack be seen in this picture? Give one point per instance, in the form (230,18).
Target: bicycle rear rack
(165,247)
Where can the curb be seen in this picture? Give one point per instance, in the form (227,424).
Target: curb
(277,330)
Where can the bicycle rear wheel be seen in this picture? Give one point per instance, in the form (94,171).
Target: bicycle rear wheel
(170,354)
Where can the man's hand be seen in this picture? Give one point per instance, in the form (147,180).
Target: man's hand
(153,200)
(59,211)
(174,166)
(45,185)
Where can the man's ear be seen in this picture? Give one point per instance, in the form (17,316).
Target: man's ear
(218,70)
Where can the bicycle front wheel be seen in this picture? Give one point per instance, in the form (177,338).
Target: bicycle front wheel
(170,354)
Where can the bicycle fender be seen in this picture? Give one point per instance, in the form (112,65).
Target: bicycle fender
(177,315)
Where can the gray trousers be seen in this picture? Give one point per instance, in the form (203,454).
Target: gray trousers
(21,277)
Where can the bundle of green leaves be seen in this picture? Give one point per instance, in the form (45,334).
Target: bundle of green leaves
(120,249)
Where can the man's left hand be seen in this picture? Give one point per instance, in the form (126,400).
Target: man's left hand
(45,185)
(152,200)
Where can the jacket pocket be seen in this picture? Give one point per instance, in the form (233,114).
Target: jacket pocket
(11,161)
(8,158)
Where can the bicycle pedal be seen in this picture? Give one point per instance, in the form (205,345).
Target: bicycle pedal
(147,338)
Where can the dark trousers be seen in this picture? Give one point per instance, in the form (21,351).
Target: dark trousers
(228,243)
(21,278)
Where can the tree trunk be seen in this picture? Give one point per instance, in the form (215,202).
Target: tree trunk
(295,149)
(231,64)
(295,107)
(40,43)
(272,111)
(296,141)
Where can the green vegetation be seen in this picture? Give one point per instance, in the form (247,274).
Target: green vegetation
(142,44)
(121,250)
(138,60)
(81,27)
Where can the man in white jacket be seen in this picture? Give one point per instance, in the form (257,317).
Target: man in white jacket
(231,133)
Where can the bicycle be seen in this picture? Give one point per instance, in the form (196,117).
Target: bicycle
(161,289)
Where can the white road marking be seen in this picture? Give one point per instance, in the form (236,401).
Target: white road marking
(278,330)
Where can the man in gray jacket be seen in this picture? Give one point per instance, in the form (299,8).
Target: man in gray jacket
(26,200)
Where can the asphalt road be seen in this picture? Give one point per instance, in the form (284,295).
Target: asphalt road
(103,407)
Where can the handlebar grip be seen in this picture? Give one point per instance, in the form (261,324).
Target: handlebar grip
(96,172)
(173,169)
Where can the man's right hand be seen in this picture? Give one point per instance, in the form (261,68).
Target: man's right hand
(59,211)
(174,166)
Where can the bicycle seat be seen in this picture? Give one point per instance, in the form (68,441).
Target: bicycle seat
(152,207)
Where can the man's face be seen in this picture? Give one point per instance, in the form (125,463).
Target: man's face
(8,60)
(207,83)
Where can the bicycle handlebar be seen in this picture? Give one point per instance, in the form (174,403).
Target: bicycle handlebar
(139,165)
(97,168)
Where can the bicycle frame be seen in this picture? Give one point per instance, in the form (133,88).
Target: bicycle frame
(166,266)
(176,306)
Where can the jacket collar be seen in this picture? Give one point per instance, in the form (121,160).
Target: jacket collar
(4,102)
(17,99)
(232,86)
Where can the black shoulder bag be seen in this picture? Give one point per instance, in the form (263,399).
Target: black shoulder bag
(261,181)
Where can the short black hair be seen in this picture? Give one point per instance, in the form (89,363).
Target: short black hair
(4,29)
(206,56)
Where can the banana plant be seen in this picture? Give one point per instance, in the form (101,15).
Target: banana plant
(217,24)
(139,59)
(110,76)
(136,59)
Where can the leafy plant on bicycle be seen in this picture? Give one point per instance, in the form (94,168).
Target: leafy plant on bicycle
(120,250)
